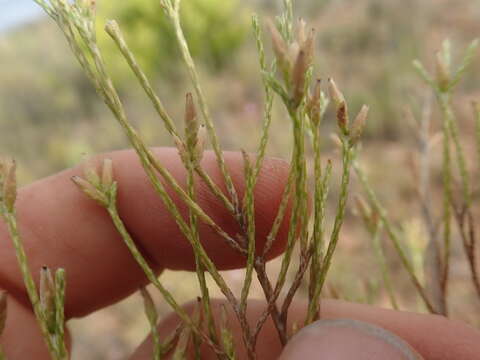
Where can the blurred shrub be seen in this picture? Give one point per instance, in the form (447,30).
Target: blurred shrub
(213,36)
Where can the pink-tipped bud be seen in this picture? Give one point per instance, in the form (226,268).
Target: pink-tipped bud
(280,48)
(358,124)
(47,297)
(313,104)
(341,105)
(299,78)
(335,93)
(190,113)
(309,47)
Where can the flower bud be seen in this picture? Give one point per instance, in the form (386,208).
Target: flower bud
(299,78)
(280,48)
(47,297)
(313,104)
(191,123)
(342,110)
(358,124)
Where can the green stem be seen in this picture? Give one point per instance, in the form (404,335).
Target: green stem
(11,221)
(347,152)
(174,16)
(392,234)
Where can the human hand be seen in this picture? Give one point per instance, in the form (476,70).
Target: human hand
(63,228)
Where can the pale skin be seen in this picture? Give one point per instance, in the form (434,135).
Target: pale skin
(63,228)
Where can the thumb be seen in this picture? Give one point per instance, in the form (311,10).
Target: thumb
(343,339)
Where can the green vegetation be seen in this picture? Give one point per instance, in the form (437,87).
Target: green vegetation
(293,98)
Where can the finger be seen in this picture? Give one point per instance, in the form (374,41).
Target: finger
(344,339)
(432,336)
(21,338)
(63,228)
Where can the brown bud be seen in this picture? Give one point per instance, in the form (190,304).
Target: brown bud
(342,109)
(313,104)
(358,124)
(342,118)
(299,78)
(190,113)
(335,94)
(280,48)
(309,47)
(191,123)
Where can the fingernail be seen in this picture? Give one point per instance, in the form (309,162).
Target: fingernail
(342,339)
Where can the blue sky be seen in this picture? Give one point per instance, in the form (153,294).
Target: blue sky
(17,12)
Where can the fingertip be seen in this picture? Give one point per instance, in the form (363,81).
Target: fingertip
(347,339)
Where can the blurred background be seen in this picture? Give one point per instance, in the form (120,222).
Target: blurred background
(51,118)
